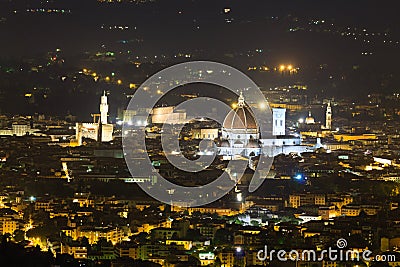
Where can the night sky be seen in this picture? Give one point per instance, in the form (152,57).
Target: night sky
(317,36)
(167,25)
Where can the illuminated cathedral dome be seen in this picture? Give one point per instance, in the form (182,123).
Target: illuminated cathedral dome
(240,132)
(310,119)
(240,118)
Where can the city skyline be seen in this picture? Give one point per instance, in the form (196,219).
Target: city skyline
(166,133)
(46,53)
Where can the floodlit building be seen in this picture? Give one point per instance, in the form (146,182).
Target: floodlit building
(241,135)
(19,129)
(310,127)
(99,131)
(168,115)
(297,200)
(205,133)
(8,225)
(240,132)
(74,249)
(328,117)
(278,120)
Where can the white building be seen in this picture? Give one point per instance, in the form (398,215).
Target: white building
(99,131)
(241,136)
(205,133)
(168,115)
(18,129)
(240,132)
(278,119)
(328,117)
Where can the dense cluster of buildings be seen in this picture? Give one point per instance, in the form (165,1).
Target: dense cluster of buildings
(68,196)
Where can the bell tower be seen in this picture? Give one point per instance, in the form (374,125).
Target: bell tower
(328,122)
(103,109)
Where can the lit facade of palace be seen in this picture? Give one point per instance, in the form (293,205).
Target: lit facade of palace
(99,131)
